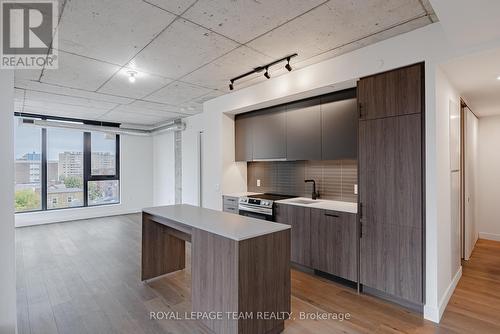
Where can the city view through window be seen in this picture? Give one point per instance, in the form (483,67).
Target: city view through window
(65,163)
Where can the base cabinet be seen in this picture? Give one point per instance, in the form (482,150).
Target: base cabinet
(321,239)
(300,220)
(334,243)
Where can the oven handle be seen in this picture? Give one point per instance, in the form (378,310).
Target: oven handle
(249,208)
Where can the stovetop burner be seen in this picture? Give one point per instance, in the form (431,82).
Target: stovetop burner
(272,197)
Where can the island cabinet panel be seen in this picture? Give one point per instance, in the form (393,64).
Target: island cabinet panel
(243,130)
(303,130)
(339,128)
(299,218)
(391,189)
(334,243)
(392,93)
(163,248)
(252,275)
(269,134)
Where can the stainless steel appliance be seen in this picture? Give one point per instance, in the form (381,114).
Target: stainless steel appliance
(259,206)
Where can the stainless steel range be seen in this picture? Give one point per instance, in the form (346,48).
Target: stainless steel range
(260,206)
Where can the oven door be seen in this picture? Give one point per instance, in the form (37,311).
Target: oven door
(256,212)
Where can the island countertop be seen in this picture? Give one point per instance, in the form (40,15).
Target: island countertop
(225,224)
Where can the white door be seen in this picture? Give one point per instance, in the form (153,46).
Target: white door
(470,182)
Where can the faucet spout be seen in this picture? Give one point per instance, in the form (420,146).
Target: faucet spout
(314,194)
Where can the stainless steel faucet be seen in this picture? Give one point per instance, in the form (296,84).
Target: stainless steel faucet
(314,194)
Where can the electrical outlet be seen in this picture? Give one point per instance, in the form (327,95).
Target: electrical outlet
(258,183)
(355,189)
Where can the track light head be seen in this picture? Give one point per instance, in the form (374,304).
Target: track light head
(231,86)
(288,66)
(267,75)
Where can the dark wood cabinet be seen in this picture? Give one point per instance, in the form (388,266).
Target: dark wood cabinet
(269,134)
(323,128)
(300,219)
(334,243)
(391,93)
(339,128)
(391,187)
(243,139)
(303,130)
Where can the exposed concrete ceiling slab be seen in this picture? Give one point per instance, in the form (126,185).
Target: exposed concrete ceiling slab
(185,51)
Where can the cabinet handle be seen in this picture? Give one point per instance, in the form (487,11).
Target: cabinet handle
(331,215)
(360,108)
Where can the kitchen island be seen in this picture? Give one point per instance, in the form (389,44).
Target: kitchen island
(240,265)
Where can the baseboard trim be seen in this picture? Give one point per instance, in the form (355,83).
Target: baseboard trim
(489,236)
(435,314)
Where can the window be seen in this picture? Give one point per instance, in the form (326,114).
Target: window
(64,167)
(28,165)
(60,168)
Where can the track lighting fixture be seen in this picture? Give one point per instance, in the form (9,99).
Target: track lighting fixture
(287,66)
(267,75)
(266,67)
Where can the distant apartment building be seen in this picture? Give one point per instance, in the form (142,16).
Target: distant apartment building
(103,163)
(70,164)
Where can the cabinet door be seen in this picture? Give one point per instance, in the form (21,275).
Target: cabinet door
(300,219)
(390,190)
(393,93)
(243,137)
(303,130)
(339,128)
(334,243)
(269,134)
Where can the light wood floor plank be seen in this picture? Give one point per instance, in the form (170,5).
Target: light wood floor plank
(84,277)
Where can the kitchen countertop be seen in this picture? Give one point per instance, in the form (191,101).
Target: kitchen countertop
(225,224)
(242,194)
(325,204)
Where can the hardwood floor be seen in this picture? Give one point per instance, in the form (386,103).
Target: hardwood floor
(84,277)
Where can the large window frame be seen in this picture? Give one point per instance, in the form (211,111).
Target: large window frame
(87,161)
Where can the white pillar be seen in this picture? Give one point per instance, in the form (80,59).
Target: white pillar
(7,237)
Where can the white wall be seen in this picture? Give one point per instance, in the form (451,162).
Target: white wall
(7,237)
(489,178)
(448,246)
(136,180)
(164,169)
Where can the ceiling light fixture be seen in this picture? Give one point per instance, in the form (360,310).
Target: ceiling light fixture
(267,75)
(287,66)
(262,68)
(131,76)
(498,78)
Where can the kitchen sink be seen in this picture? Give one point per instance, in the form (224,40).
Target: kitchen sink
(303,201)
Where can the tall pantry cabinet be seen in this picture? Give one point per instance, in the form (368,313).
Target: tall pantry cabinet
(391,191)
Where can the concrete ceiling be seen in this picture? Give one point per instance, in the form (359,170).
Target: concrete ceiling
(185,51)
(475,78)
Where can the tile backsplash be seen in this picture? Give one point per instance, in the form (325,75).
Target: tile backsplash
(335,179)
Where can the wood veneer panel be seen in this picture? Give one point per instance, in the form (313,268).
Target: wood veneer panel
(393,93)
(162,252)
(215,278)
(264,281)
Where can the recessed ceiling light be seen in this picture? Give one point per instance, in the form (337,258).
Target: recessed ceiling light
(498,78)
(131,76)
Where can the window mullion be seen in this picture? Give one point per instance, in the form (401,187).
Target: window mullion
(43,176)
(87,155)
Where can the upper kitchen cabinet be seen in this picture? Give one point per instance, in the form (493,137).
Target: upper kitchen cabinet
(391,93)
(339,126)
(243,137)
(303,130)
(269,134)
